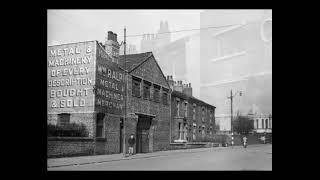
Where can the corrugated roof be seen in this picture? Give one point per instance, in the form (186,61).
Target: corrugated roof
(133,60)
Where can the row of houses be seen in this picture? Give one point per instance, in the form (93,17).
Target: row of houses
(87,84)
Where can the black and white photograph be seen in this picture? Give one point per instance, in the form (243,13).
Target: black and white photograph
(159,89)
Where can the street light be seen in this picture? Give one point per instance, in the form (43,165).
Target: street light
(231,98)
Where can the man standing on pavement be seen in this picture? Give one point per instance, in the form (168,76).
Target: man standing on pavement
(131,142)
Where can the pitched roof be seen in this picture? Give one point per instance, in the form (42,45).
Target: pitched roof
(186,97)
(134,60)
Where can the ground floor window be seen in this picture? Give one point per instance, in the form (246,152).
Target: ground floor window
(194,132)
(185,131)
(63,119)
(99,124)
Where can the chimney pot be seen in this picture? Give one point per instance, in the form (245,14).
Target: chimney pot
(109,35)
(115,37)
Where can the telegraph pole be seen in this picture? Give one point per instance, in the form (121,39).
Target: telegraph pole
(231,99)
(231,117)
(125,102)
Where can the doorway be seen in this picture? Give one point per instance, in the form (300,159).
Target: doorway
(142,135)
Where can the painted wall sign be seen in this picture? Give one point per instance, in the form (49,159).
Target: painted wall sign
(110,84)
(71,77)
(82,77)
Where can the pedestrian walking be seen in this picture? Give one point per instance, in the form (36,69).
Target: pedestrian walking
(131,142)
(244,142)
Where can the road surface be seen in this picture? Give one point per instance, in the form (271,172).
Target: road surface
(254,157)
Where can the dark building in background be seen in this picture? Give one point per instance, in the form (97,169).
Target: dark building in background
(192,120)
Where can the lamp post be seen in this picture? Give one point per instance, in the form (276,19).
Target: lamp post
(231,98)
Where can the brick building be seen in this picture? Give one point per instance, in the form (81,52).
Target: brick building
(192,120)
(86,85)
(148,103)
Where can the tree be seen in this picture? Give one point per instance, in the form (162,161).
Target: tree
(242,125)
(216,128)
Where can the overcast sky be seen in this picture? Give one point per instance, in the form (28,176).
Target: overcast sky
(66,26)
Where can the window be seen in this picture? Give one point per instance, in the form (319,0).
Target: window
(203,114)
(194,112)
(136,86)
(194,132)
(185,131)
(63,119)
(186,109)
(165,97)
(231,45)
(257,123)
(156,93)
(146,90)
(262,123)
(99,124)
(266,123)
(178,108)
(199,129)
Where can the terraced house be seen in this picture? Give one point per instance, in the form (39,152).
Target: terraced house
(192,120)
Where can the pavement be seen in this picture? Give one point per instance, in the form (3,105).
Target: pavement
(71,162)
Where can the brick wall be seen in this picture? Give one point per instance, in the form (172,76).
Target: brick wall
(67,146)
(61,147)
(112,134)
(159,130)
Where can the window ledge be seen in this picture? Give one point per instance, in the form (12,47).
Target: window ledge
(101,139)
(57,138)
(136,96)
(228,56)
(180,141)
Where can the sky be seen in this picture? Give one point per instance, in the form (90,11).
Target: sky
(66,26)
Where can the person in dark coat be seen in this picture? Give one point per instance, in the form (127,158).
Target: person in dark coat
(131,142)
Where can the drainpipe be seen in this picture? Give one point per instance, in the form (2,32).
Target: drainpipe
(170,117)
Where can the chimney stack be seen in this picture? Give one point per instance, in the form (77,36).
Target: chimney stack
(112,46)
(110,35)
(115,37)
